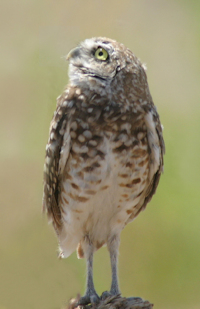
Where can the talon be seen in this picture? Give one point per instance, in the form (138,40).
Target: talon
(94,299)
(88,299)
(83,301)
(105,295)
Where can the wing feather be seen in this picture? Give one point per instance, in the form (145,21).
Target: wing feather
(57,152)
(156,153)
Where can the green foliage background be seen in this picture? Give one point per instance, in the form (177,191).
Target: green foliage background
(160,251)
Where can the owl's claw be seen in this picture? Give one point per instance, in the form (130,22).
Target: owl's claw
(88,299)
(105,295)
(109,294)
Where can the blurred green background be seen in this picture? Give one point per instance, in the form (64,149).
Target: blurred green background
(160,251)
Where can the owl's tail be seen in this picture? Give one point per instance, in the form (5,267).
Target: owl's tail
(67,244)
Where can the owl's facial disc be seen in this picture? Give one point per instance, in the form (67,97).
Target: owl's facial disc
(92,60)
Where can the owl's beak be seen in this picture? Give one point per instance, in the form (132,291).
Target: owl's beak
(75,52)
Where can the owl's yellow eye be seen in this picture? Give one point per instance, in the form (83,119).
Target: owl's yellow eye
(101,54)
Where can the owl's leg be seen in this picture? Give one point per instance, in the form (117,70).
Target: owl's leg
(113,248)
(91,295)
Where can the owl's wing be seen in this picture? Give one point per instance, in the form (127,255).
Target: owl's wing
(156,152)
(57,152)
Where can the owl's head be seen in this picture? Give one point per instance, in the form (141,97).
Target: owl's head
(99,63)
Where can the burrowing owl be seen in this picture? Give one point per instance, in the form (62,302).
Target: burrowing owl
(104,155)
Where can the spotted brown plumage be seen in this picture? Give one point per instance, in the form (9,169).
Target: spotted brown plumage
(104,155)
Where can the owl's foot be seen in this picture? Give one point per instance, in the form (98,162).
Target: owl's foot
(132,300)
(109,294)
(91,298)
